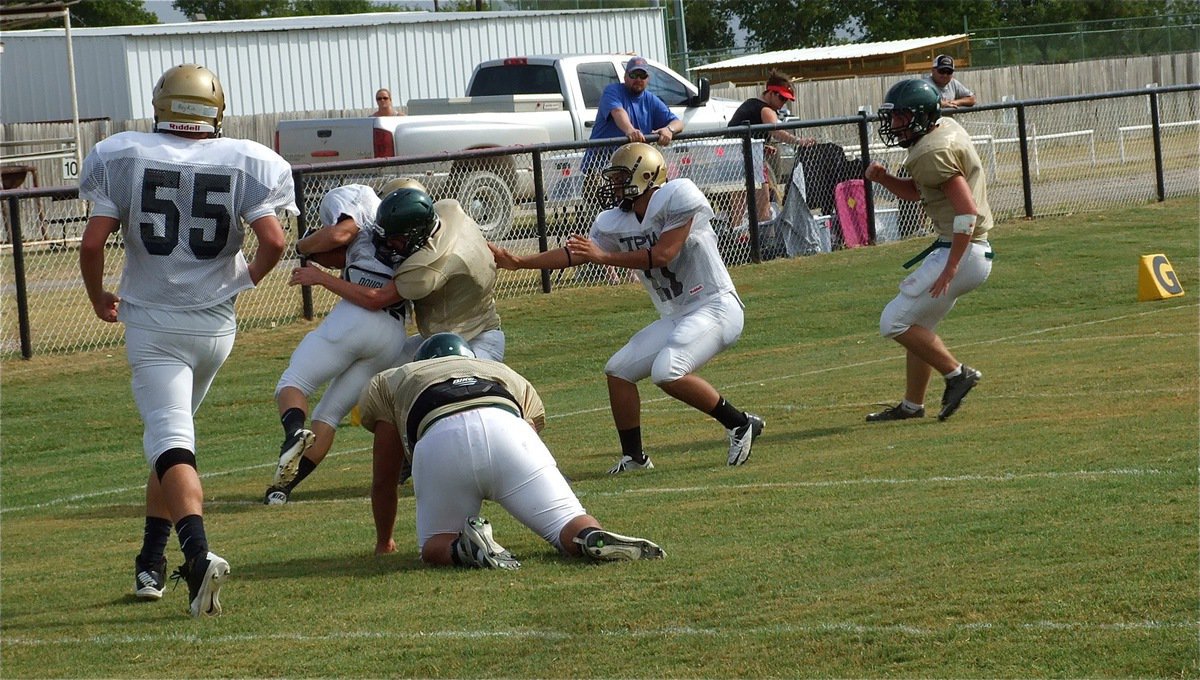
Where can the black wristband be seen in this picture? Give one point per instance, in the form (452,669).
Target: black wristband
(649,260)
(568,252)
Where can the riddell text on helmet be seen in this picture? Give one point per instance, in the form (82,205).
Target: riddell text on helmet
(188,127)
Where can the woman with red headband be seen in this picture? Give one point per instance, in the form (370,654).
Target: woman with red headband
(764,110)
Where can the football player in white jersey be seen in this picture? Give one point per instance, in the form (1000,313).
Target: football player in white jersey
(442,264)
(467,429)
(663,231)
(352,343)
(180,197)
(946,175)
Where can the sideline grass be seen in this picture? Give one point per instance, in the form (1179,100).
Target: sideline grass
(1049,529)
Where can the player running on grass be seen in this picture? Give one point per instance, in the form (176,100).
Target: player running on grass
(661,229)
(443,266)
(945,174)
(352,344)
(179,197)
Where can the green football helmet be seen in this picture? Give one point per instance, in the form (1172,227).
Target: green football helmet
(443,345)
(407,216)
(916,100)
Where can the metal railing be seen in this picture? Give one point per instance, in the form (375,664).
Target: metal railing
(530,198)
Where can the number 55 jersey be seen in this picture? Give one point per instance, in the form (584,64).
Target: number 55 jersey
(184,206)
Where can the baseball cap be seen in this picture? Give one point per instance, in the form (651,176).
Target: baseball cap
(944,61)
(637,64)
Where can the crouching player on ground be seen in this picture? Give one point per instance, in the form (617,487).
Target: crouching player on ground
(467,429)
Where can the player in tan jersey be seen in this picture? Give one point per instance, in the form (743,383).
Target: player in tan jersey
(466,429)
(442,264)
(451,279)
(945,174)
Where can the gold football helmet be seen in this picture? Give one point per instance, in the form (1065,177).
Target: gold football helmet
(189,98)
(401,183)
(634,170)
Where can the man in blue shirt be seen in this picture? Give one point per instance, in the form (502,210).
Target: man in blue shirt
(627,109)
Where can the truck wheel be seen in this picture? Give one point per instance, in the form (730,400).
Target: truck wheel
(489,201)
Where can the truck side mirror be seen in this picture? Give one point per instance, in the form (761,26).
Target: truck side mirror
(702,98)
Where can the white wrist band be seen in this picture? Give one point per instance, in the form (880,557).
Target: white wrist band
(964,224)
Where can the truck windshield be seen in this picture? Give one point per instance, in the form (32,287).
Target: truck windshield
(515,79)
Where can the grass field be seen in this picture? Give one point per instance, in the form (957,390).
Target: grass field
(1049,529)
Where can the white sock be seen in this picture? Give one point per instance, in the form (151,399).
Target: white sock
(955,373)
(910,407)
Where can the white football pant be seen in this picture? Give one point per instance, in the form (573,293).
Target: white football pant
(671,348)
(914,306)
(171,374)
(488,453)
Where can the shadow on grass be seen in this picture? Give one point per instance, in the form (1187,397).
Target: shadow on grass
(354,563)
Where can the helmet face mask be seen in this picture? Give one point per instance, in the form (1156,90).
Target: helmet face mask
(405,221)
(635,170)
(443,345)
(189,98)
(910,110)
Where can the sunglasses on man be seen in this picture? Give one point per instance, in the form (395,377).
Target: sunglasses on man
(639,75)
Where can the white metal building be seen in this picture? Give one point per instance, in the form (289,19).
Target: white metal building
(300,63)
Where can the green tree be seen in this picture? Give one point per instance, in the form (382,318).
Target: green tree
(791,24)
(708,28)
(224,10)
(104,13)
(218,10)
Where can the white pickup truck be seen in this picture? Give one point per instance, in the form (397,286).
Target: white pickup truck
(514,101)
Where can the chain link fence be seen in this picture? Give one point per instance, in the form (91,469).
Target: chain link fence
(1042,157)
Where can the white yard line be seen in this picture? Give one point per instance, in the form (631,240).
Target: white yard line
(1027,334)
(817,629)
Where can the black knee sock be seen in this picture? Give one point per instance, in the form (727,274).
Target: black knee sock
(306,468)
(154,541)
(727,415)
(192,540)
(292,419)
(631,443)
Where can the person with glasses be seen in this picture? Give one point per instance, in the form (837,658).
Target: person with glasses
(954,94)
(628,109)
(383,100)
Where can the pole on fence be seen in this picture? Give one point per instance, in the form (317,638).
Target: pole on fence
(1156,134)
(18,244)
(1026,186)
(751,195)
(306,297)
(539,197)
(864,143)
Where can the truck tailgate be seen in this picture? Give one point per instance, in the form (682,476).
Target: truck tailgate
(327,139)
